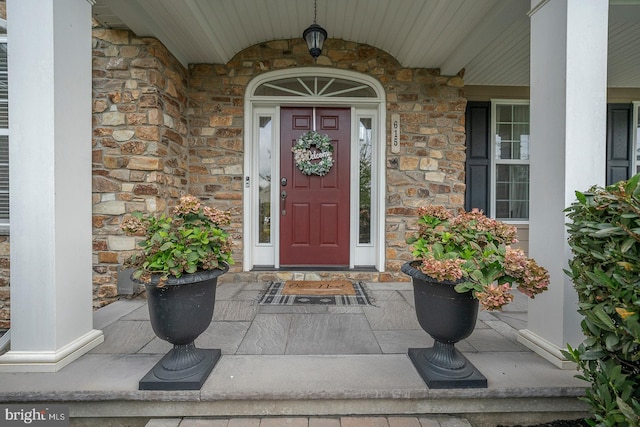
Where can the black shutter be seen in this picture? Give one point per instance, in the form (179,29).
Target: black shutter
(478,167)
(619,142)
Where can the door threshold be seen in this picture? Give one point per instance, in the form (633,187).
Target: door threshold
(357,268)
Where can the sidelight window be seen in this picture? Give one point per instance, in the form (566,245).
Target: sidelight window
(365,150)
(265,148)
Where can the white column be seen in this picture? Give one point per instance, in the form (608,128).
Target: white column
(568,149)
(49,58)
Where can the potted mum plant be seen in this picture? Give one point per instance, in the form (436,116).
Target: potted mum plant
(462,261)
(180,261)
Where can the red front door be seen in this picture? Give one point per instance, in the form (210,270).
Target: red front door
(314,213)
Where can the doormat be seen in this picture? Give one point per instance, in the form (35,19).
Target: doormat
(275,295)
(318,287)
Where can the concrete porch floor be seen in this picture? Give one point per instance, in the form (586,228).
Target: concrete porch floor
(305,361)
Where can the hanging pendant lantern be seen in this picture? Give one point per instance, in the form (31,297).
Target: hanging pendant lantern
(314,35)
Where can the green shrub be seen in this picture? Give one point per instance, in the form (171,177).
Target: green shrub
(604,235)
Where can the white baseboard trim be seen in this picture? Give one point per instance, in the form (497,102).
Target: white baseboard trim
(544,348)
(50,361)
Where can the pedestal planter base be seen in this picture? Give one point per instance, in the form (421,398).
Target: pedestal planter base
(435,376)
(180,310)
(448,317)
(192,378)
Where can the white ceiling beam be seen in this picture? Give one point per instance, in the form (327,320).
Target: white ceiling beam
(489,29)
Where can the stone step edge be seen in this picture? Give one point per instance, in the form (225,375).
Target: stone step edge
(176,407)
(204,396)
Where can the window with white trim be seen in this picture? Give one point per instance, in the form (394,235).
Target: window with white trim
(4,138)
(497,165)
(510,160)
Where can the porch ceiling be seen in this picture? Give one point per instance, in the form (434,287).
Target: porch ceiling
(488,38)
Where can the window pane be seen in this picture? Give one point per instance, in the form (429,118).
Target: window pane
(512,192)
(502,209)
(4,140)
(365,132)
(4,93)
(512,132)
(521,145)
(264,184)
(520,129)
(504,130)
(510,150)
(506,150)
(502,191)
(4,179)
(503,113)
(521,113)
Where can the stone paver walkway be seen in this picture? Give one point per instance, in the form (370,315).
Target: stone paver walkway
(243,327)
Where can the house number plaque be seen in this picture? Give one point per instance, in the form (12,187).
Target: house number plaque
(395,133)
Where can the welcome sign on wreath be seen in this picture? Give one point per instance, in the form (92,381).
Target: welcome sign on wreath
(317,161)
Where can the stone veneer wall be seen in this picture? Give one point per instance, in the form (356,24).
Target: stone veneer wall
(429,168)
(140,155)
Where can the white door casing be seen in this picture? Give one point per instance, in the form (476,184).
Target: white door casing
(311,86)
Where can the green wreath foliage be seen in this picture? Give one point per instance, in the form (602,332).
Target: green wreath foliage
(305,158)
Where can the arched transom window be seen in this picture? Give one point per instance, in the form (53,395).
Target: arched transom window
(314,86)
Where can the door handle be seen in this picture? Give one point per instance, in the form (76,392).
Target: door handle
(283,197)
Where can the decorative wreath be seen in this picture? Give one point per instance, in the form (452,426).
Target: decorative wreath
(303,155)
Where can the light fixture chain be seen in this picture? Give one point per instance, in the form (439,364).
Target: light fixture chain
(315,35)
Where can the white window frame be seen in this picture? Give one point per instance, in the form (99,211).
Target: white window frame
(264,253)
(362,253)
(495,162)
(4,225)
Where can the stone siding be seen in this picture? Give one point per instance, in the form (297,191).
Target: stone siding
(429,168)
(140,154)
(160,130)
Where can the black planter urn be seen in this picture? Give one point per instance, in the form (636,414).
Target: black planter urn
(180,311)
(448,317)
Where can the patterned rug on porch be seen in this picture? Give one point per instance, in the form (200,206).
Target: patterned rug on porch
(339,292)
